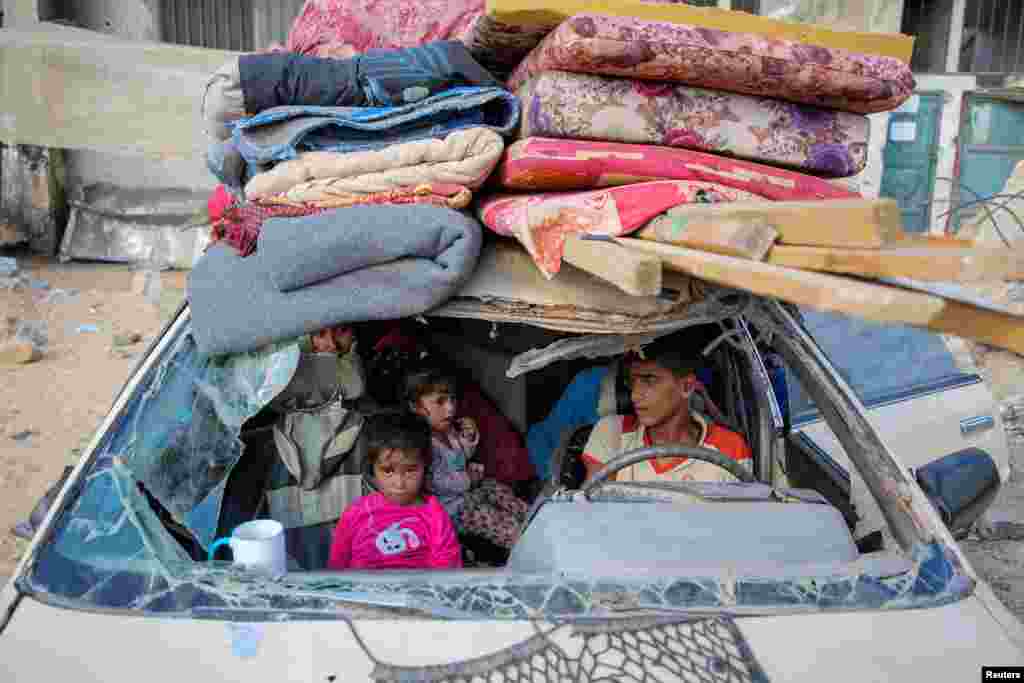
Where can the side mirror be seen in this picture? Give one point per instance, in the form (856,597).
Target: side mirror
(961,486)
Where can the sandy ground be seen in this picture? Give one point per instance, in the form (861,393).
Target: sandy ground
(50,409)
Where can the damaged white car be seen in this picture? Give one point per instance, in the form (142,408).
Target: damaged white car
(776,577)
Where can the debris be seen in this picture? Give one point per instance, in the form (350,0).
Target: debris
(38,284)
(32,332)
(59,296)
(88,328)
(146,283)
(997,526)
(19,353)
(127,339)
(8,266)
(22,435)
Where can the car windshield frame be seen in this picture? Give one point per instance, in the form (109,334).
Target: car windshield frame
(161,579)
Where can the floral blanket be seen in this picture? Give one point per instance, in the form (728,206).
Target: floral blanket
(825,142)
(342,28)
(536,164)
(721,60)
(541,222)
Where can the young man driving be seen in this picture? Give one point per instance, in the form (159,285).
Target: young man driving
(661,378)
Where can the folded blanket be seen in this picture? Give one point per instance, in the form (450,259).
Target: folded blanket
(720,60)
(324,194)
(346,265)
(537,164)
(465,157)
(282,133)
(542,221)
(559,104)
(253,83)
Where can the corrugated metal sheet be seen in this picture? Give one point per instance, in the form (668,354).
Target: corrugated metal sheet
(254,24)
(220,24)
(273,19)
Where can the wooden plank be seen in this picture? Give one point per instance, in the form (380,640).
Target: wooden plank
(632,272)
(934,241)
(750,239)
(548,13)
(943,264)
(70,88)
(879,302)
(850,223)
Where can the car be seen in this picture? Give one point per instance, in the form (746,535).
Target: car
(760,579)
(922,402)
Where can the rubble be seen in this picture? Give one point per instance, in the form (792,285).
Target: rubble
(19,353)
(8,266)
(127,339)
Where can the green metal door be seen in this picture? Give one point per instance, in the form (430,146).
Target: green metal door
(991,144)
(911,155)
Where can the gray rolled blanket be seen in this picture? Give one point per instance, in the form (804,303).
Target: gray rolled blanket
(348,265)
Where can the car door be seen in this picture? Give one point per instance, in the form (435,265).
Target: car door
(922,404)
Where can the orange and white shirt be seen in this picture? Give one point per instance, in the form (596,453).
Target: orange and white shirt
(619,433)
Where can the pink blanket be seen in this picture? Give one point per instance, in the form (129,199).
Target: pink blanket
(541,222)
(720,60)
(342,28)
(547,164)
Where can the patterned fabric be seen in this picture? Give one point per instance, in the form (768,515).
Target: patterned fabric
(342,28)
(492,510)
(708,58)
(620,433)
(541,222)
(549,164)
(239,225)
(323,194)
(559,104)
(465,157)
(449,476)
(500,45)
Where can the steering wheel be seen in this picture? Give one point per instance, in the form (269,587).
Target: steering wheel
(636,455)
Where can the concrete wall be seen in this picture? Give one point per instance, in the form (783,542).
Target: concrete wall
(953,87)
(135,20)
(849,15)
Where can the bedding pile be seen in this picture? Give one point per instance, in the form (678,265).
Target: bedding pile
(595,124)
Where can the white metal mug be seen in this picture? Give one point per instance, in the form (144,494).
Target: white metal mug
(257,545)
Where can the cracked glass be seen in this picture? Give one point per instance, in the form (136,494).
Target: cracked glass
(132,534)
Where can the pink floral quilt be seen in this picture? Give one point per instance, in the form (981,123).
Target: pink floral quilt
(826,142)
(541,222)
(548,164)
(721,60)
(342,28)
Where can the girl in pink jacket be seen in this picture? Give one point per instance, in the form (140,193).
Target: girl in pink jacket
(400,527)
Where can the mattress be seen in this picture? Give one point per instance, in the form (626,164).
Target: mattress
(721,60)
(824,142)
(542,221)
(550,164)
(509,29)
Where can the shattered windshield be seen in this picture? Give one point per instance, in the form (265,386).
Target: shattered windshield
(134,532)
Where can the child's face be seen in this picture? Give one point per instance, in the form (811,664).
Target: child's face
(336,339)
(399,475)
(439,408)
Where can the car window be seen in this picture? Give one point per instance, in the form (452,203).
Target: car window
(881,362)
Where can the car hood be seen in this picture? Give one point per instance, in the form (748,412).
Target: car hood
(943,643)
